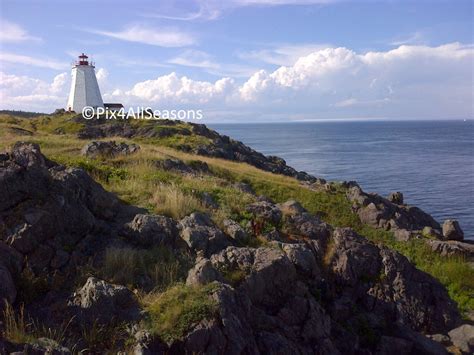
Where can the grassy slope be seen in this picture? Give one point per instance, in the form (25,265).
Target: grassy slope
(138,181)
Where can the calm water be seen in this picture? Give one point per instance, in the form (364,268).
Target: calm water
(432,163)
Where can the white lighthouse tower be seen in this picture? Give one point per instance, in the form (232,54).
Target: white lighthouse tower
(84,87)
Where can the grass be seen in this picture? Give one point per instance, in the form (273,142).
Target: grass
(172,314)
(170,200)
(19,329)
(160,266)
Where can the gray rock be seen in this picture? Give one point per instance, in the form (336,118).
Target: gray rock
(202,235)
(396,198)
(452,248)
(102,301)
(203,273)
(235,231)
(463,338)
(379,212)
(265,211)
(153,230)
(452,230)
(108,149)
(303,259)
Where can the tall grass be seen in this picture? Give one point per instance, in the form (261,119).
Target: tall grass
(159,267)
(20,329)
(171,201)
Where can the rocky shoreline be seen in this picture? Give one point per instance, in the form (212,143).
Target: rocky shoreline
(282,282)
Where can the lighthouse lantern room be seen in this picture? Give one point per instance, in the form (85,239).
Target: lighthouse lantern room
(84,87)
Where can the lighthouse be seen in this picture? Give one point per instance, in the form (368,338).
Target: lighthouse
(84,87)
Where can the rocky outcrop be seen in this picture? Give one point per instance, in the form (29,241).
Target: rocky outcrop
(47,211)
(272,307)
(109,149)
(379,212)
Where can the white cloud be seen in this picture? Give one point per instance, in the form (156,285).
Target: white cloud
(171,89)
(101,75)
(12,32)
(13,58)
(405,82)
(162,36)
(26,93)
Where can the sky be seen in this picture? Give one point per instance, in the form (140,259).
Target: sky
(246,60)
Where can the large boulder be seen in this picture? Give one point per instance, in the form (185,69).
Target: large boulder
(203,273)
(103,302)
(452,230)
(153,230)
(202,235)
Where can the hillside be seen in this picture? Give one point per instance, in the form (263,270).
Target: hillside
(166,237)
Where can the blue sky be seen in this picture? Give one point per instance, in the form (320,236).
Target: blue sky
(240,60)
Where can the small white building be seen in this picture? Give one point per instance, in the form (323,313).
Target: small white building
(84,87)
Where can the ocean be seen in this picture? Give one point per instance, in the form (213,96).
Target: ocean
(431,162)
